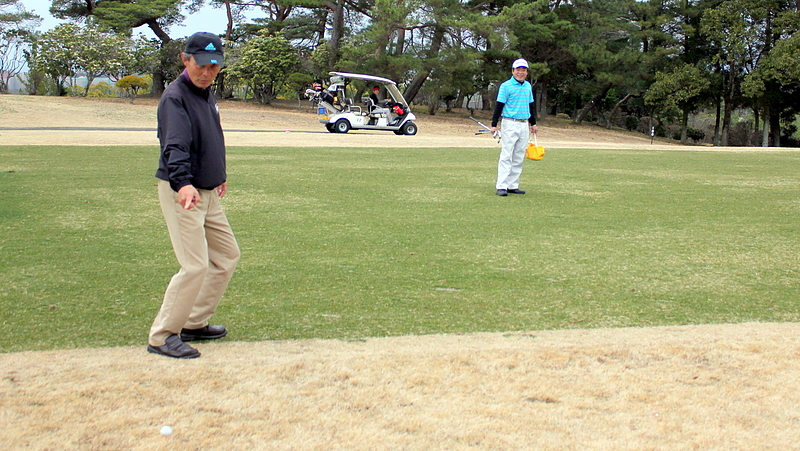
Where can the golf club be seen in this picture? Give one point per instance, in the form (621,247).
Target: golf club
(496,135)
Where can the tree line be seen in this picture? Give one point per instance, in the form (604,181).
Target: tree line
(639,64)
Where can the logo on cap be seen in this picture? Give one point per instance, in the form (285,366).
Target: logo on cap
(210,47)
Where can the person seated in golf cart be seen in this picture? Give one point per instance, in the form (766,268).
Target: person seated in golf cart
(373,97)
(376,101)
(376,108)
(386,105)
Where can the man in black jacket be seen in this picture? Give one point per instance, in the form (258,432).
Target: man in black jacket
(192,179)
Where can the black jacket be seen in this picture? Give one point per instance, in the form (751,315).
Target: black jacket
(189,130)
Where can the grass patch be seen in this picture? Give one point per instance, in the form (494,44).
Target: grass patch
(353,243)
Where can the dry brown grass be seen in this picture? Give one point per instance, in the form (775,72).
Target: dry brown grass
(719,387)
(723,387)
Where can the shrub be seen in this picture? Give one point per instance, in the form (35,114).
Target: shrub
(695,134)
(631,123)
(102,89)
(75,91)
(132,84)
(741,134)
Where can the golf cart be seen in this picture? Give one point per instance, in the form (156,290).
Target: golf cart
(340,115)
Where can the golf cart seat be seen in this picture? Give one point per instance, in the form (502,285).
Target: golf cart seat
(373,109)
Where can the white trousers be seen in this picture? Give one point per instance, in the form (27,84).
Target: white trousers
(514,141)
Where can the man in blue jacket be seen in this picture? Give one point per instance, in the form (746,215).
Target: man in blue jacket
(192,180)
(515,104)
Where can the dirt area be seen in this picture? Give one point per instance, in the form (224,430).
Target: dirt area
(717,387)
(710,387)
(286,123)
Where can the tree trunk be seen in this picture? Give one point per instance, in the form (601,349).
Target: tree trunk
(775,126)
(756,129)
(158,31)
(730,91)
(717,120)
(433,105)
(765,129)
(430,61)
(590,105)
(400,44)
(616,108)
(89,81)
(726,123)
(487,103)
(229,13)
(684,124)
(158,82)
(541,101)
(337,32)
(60,91)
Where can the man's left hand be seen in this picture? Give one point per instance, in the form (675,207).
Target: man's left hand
(534,130)
(222,189)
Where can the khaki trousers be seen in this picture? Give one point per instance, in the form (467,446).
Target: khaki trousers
(207,252)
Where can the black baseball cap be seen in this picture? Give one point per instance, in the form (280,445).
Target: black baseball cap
(206,48)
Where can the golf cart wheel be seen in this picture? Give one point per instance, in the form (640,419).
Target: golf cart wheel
(409,128)
(330,128)
(341,126)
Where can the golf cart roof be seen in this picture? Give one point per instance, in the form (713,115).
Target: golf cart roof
(364,77)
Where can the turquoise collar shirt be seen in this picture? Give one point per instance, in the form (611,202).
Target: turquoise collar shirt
(517,98)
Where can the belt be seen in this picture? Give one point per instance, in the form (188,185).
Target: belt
(515,120)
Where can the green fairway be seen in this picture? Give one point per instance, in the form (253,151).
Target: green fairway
(353,243)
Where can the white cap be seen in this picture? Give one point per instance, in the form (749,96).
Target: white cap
(520,63)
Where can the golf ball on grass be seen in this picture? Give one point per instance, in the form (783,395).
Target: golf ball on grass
(166,430)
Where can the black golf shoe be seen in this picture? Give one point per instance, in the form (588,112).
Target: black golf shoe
(174,347)
(204,333)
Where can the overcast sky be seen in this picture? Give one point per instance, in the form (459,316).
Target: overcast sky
(207,19)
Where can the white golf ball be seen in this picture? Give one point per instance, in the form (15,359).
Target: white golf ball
(166,430)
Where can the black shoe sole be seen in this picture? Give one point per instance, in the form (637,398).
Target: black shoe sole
(186,337)
(152,350)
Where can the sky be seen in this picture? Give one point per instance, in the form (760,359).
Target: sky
(207,19)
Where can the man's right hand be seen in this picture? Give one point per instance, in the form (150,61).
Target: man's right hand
(188,197)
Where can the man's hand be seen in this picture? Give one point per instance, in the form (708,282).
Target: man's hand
(188,197)
(534,130)
(222,189)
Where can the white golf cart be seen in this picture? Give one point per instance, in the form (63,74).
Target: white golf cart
(340,115)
